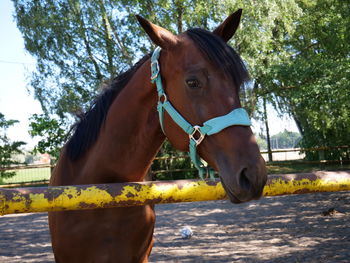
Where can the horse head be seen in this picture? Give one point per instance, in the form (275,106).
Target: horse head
(200,74)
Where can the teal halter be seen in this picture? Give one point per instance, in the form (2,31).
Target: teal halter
(196,133)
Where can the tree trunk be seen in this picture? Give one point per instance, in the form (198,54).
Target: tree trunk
(267,132)
(179,11)
(108,40)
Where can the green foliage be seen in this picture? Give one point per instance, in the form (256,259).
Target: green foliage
(81,45)
(297,52)
(7,148)
(169,160)
(314,84)
(264,26)
(52,134)
(285,140)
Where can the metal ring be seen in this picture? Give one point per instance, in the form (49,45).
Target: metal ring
(196,129)
(165,98)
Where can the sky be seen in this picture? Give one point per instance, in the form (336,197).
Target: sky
(15,66)
(16,99)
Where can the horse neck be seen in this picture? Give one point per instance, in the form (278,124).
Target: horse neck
(130,137)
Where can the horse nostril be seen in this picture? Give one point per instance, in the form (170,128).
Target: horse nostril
(244,181)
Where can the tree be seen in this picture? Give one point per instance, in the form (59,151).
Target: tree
(52,133)
(313,85)
(7,148)
(81,46)
(285,139)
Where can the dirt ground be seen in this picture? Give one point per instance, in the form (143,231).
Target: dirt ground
(300,228)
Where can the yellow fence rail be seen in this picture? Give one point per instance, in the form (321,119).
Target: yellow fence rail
(61,198)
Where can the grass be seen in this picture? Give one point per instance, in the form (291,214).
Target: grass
(300,166)
(28,175)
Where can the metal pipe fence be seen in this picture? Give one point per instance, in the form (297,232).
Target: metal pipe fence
(80,197)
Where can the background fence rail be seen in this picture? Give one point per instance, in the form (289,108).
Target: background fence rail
(40,174)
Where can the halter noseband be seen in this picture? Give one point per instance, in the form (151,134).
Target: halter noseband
(196,133)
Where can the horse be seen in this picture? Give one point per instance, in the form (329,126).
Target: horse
(199,75)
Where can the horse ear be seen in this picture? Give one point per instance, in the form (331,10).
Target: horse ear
(227,29)
(159,36)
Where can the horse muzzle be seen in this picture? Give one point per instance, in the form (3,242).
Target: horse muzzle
(245,183)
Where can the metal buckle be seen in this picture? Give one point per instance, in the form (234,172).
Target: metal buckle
(164,97)
(201,135)
(155,69)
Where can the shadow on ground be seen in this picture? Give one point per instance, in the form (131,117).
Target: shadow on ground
(300,228)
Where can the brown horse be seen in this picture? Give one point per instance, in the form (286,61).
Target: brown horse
(117,139)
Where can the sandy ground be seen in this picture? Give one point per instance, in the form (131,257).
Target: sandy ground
(300,228)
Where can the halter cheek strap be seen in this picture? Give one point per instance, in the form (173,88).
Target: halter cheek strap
(196,133)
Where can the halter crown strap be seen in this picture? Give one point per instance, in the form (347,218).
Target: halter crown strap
(196,133)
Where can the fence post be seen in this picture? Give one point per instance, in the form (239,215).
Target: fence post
(321,158)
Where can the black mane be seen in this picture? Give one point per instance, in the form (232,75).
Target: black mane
(220,54)
(87,129)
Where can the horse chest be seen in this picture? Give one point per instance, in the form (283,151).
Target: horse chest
(105,235)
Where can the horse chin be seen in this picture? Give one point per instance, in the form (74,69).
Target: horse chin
(238,196)
(231,196)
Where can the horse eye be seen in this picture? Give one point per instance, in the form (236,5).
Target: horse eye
(193,83)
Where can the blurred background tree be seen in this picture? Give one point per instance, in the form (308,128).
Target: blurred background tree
(297,52)
(8,149)
(313,84)
(285,140)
